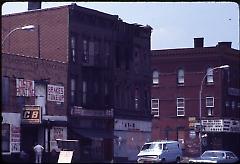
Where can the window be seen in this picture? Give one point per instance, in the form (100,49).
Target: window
(136,99)
(91,52)
(73,89)
(155,107)
(209,75)
(84,96)
(180,76)
(73,48)
(180,107)
(5,90)
(209,102)
(210,111)
(5,137)
(155,77)
(85,51)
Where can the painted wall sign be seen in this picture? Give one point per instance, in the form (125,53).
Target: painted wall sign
(55,93)
(57,133)
(31,115)
(25,87)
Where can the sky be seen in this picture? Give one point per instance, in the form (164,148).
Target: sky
(175,24)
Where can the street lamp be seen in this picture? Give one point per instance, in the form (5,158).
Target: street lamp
(200,104)
(26,28)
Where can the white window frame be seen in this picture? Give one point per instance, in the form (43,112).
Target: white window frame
(209,104)
(180,76)
(210,75)
(180,106)
(155,109)
(155,77)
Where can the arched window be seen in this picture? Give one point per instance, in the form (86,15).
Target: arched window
(155,77)
(210,75)
(180,76)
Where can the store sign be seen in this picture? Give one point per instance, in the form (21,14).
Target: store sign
(25,87)
(79,111)
(221,125)
(31,115)
(55,93)
(15,139)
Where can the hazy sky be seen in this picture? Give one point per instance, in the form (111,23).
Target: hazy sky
(174,24)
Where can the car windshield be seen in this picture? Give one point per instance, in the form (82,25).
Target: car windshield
(210,154)
(151,146)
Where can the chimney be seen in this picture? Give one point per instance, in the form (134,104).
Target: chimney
(198,42)
(34,5)
(224,44)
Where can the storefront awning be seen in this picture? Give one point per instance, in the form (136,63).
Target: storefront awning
(93,134)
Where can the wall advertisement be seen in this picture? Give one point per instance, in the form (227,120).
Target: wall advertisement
(55,93)
(25,87)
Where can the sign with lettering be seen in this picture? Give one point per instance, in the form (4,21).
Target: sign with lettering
(57,133)
(79,111)
(31,115)
(15,139)
(55,93)
(25,87)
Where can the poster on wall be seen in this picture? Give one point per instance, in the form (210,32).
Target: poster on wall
(57,133)
(15,139)
(55,93)
(25,87)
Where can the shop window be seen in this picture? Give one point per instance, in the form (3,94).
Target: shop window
(5,138)
(180,107)
(155,107)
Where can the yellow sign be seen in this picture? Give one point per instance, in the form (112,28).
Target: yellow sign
(31,115)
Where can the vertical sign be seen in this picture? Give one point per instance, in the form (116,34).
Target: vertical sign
(15,139)
(25,88)
(55,93)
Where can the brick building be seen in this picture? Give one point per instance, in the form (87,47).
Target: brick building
(177,76)
(30,112)
(107,88)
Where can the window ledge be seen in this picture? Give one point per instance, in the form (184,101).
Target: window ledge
(180,84)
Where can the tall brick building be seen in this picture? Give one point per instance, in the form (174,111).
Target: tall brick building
(107,88)
(177,76)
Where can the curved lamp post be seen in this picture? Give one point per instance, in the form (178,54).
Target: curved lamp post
(26,28)
(200,103)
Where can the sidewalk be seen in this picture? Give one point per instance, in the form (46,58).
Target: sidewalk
(185,160)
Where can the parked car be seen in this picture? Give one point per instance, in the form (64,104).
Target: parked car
(216,156)
(160,151)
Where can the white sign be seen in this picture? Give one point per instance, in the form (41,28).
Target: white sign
(25,87)
(55,93)
(15,139)
(57,133)
(65,157)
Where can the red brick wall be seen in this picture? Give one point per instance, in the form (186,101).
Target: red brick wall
(16,66)
(53,34)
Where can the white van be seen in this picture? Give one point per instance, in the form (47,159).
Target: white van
(160,151)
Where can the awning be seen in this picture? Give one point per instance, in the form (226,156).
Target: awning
(93,134)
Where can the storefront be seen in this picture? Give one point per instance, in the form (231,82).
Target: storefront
(130,135)
(94,130)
